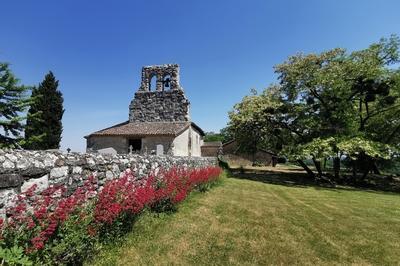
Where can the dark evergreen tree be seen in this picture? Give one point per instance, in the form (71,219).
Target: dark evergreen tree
(13,102)
(45,132)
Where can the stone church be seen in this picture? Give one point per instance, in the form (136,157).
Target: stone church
(159,120)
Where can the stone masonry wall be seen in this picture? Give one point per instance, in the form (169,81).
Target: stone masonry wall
(19,169)
(165,104)
(159,106)
(120,144)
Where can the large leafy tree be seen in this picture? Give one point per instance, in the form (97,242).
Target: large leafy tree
(227,134)
(252,122)
(14,100)
(332,105)
(45,132)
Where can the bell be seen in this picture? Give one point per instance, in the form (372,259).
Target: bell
(166,82)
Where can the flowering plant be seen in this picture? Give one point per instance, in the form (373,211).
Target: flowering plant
(54,227)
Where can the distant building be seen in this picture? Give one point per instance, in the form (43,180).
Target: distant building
(211,149)
(234,156)
(159,120)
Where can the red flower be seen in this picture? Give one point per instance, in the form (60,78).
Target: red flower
(43,213)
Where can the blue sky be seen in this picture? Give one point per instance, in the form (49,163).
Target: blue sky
(97,48)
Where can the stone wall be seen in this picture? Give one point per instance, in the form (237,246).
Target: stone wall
(149,144)
(19,169)
(210,151)
(119,144)
(162,73)
(166,104)
(159,106)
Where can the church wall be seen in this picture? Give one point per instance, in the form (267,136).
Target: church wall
(197,141)
(150,143)
(181,144)
(120,144)
(167,103)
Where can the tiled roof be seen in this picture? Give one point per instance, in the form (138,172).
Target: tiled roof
(212,144)
(146,128)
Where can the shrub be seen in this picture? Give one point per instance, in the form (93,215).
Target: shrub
(53,228)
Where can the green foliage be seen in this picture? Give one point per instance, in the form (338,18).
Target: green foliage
(330,105)
(44,126)
(74,243)
(14,256)
(13,102)
(225,135)
(212,136)
(318,149)
(355,146)
(252,121)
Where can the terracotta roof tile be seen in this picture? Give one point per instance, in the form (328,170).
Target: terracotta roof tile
(145,129)
(212,144)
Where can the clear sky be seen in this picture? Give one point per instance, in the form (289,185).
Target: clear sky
(97,48)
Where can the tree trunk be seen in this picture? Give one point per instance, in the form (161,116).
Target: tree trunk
(367,167)
(336,167)
(354,168)
(375,168)
(365,174)
(306,168)
(318,167)
(254,152)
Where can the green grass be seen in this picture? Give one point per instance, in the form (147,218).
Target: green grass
(243,222)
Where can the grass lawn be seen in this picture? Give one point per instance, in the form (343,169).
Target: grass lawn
(245,222)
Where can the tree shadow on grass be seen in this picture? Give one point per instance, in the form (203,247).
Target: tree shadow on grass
(296,178)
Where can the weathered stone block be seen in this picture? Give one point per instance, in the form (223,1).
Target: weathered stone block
(77,170)
(34,172)
(59,172)
(59,162)
(49,160)
(42,183)
(109,175)
(6,198)
(10,180)
(7,164)
(11,157)
(22,163)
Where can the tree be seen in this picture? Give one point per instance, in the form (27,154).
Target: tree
(251,122)
(331,105)
(45,132)
(13,102)
(227,134)
(344,96)
(212,136)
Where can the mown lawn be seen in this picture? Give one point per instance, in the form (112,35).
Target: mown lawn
(244,222)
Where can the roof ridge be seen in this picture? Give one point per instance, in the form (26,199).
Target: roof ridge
(147,128)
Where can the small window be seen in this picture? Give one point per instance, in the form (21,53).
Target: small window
(167,82)
(153,83)
(136,145)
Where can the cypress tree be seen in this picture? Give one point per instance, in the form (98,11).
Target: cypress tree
(45,133)
(13,102)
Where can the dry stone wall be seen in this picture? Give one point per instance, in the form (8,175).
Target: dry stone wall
(20,169)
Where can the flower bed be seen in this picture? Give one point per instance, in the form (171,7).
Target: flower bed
(47,228)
